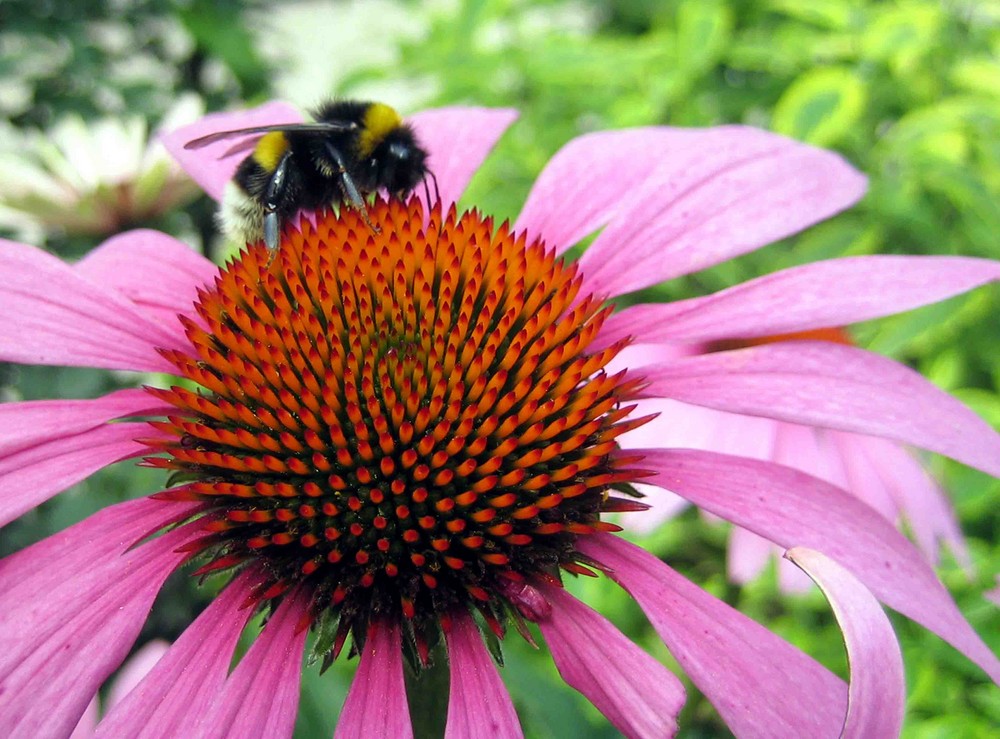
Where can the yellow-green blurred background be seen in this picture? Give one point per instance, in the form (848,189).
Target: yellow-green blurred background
(908,91)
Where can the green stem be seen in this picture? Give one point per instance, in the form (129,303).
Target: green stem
(427,693)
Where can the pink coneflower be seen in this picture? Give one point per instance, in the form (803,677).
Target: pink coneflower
(408,438)
(878,471)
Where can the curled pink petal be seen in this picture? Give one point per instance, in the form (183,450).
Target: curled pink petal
(835,292)
(718,193)
(458,140)
(210,166)
(182,684)
(876,698)
(376,703)
(33,475)
(587,181)
(61,637)
(157,272)
(760,684)
(479,706)
(819,383)
(792,508)
(261,698)
(52,315)
(637,694)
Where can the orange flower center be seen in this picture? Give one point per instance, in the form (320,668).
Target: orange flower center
(406,421)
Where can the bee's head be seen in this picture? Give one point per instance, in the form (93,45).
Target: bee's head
(399,161)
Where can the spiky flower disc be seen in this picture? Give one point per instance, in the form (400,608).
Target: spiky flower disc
(407,421)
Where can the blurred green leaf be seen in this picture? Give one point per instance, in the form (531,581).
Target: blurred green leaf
(821,106)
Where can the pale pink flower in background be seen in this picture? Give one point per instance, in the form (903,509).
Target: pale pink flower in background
(412,432)
(131,674)
(876,470)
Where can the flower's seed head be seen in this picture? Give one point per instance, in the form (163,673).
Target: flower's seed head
(408,421)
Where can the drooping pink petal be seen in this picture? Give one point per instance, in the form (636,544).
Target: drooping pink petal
(637,694)
(760,684)
(211,166)
(155,271)
(261,698)
(52,315)
(718,193)
(836,292)
(876,697)
(88,721)
(747,555)
(917,496)
(794,509)
(184,683)
(135,669)
(458,140)
(479,706)
(376,703)
(31,476)
(820,383)
(60,636)
(586,182)
(26,424)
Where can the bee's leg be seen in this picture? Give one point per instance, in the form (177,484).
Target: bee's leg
(349,189)
(427,190)
(273,196)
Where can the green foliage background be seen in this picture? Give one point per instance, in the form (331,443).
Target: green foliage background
(908,91)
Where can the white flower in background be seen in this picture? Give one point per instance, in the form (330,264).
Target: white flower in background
(91,178)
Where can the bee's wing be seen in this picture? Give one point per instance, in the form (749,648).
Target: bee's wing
(322,127)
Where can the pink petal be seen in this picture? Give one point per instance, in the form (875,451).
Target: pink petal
(261,697)
(60,637)
(719,193)
(376,703)
(819,383)
(836,292)
(921,501)
(588,180)
(994,594)
(458,140)
(747,555)
(877,694)
(479,706)
(209,166)
(27,424)
(637,694)
(836,464)
(760,684)
(136,667)
(793,509)
(663,506)
(33,475)
(88,721)
(155,271)
(54,316)
(184,683)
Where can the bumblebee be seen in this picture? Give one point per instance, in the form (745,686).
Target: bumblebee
(352,149)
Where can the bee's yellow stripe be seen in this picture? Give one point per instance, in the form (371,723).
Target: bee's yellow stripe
(269,150)
(379,121)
